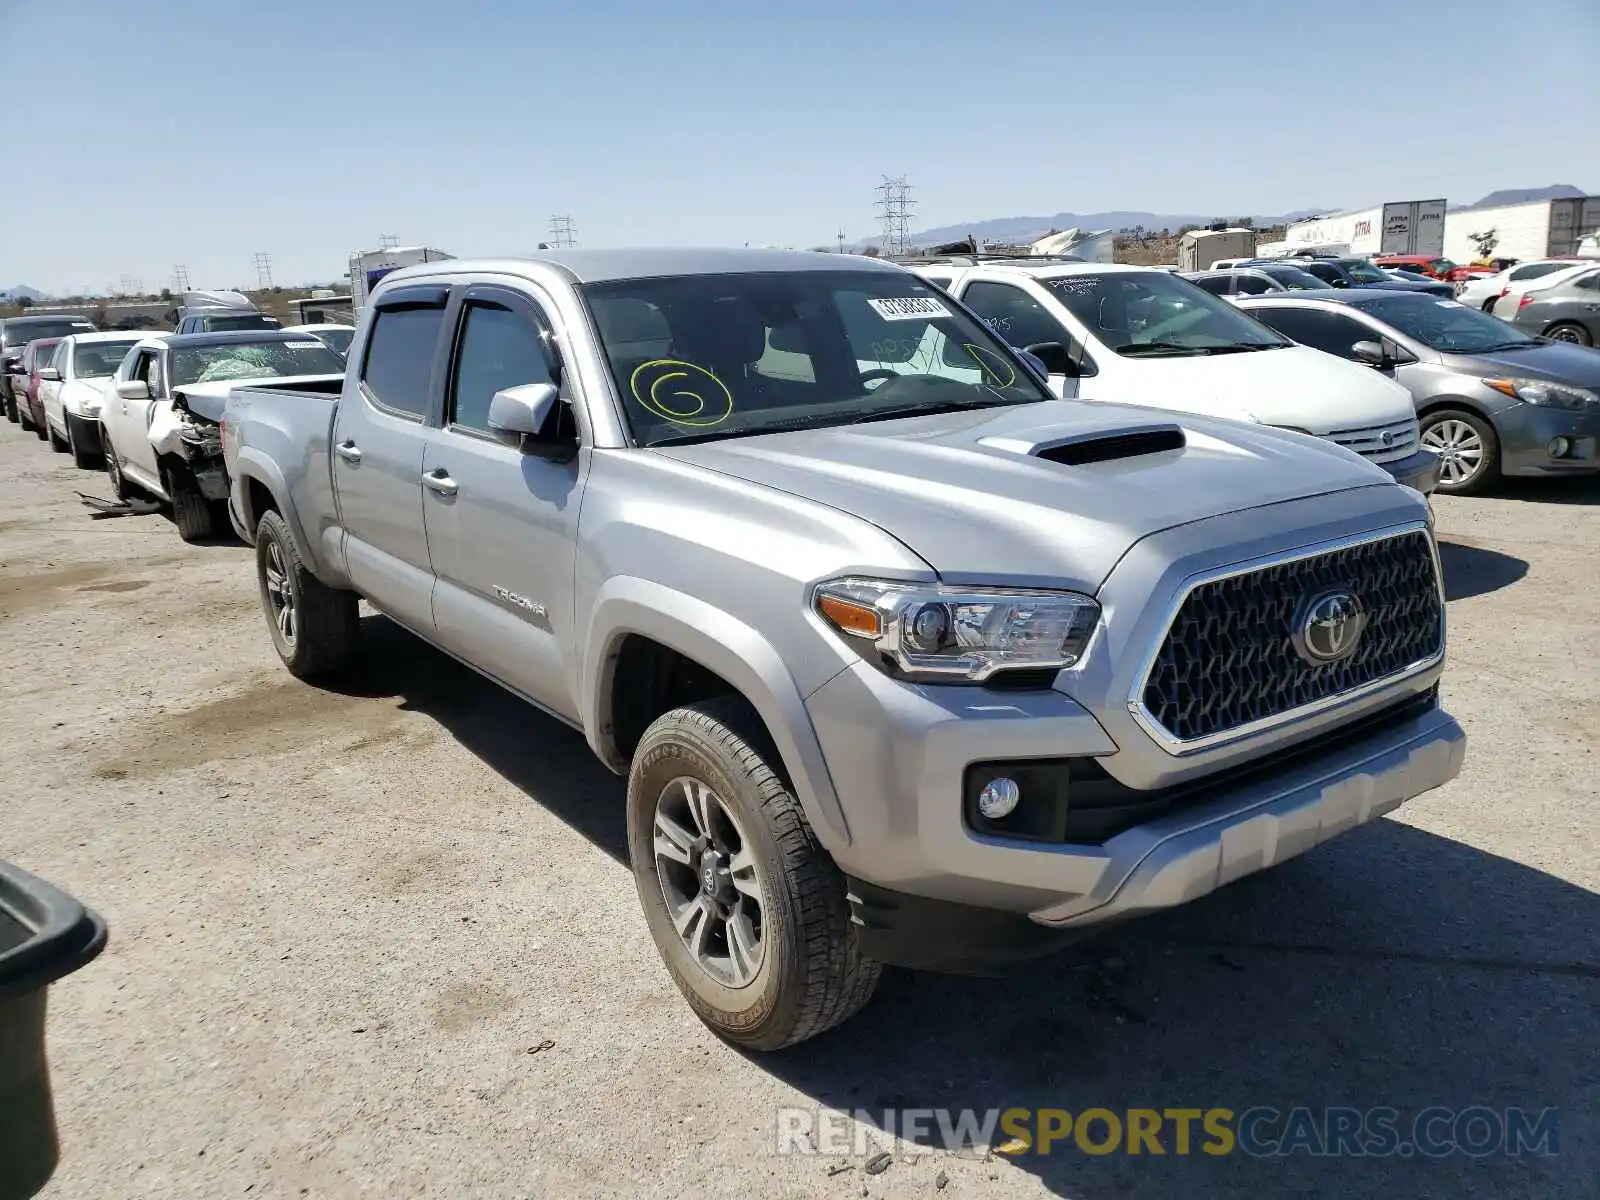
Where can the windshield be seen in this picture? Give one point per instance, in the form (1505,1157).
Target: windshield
(697,357)
(1295,279)
(336,339)
(1361,271)
(95,360)
(252,360)
(1447,326)
(1154,313)
(20,333)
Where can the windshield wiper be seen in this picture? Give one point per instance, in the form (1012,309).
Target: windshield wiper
(1498,347)
(1244,347)
(1167,347)
(921,410)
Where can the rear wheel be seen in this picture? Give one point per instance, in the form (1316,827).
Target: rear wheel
(314,627)
(24,417)
(1569,331)
(1467,447)
(746,908)
(10,405)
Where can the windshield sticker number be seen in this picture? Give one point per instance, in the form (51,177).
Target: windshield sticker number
(1449,304)
(681,393)
(908,308)
(304,346)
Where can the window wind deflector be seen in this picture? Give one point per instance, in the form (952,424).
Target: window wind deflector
(427,295)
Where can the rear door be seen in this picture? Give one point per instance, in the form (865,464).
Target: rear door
(379,434)
(502,518)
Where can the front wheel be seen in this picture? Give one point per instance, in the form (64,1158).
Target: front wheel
(1570,332)
(314,627)
(1468,450)
(745,907)
(10,406)
(83,459)
(190,510)
(57,442)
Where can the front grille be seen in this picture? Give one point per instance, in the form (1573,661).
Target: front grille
(1229,658)
(1369,442)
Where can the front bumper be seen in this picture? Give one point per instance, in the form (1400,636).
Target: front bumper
(1419,470)
(1527,435)
(85,431)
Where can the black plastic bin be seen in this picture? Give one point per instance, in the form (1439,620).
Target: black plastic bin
(44,934)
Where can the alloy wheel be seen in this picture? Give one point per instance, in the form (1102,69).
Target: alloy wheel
(280,596)
(707,870)
(1460,450)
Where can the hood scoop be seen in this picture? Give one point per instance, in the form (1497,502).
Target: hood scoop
(1096,445)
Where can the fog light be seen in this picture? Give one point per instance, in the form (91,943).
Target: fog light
(998,798)
(1559,447)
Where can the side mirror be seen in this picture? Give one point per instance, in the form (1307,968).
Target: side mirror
(519,412)
(1053,357)
(1036,363)
(1371,353)
(133,389)
(50,373)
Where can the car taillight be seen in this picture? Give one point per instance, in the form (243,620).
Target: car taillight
(1524,302)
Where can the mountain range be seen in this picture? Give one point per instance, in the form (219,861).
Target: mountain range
(22,292)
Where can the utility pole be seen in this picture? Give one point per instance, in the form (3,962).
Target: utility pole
(263,269)
(894,214)
(563,233)
(180,278)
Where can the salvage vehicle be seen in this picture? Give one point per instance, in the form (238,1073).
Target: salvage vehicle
(1359,273)
(30,410)
(1132,335)
(72,391)
(1492,400)
(914,664)
(159,429)
(16,333)
(336,337)
(1566,311)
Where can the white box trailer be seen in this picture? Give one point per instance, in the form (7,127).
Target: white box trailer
(369,266)
(1399,227)
(1199,248)
(1535,229)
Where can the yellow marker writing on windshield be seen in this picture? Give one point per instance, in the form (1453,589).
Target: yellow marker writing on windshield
(999,371)
(681,392)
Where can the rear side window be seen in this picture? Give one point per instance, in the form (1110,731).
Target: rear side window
(399,361)
(1254,285)
(1217,285)
(1534,270)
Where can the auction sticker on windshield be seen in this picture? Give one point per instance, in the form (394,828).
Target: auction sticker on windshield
(304,345)
(909,308)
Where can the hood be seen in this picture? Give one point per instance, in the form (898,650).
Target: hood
(208,400)
(82,394)
(1294,386)
(969,494)
(1557,362)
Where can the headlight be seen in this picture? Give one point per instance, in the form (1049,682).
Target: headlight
(1547,395)
(931,632)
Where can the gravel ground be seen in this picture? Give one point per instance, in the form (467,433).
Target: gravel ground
(341,920)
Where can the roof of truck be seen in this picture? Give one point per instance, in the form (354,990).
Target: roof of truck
(599,266)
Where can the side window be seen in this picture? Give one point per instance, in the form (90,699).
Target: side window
(1217,285)
(940,281)
(499,349)
(1332,333)
(158,375)
(1254,285)
(58,360)
(1591,282)
(1322,271)
(399,360)
(1013,314)
(142,368)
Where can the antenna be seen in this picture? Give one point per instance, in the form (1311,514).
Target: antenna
(263,269)
(563,233)
(180,278)
(895,205)
(387,241)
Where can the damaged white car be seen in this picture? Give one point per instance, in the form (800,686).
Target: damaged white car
(160,421)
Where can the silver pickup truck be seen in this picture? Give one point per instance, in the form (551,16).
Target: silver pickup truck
(905,660)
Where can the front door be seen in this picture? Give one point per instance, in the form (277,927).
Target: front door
(501,518)
(378,440)
(127,421)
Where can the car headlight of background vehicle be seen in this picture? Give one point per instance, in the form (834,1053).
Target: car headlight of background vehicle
(930,632)
(1545,394)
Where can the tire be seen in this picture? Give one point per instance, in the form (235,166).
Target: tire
(190,510)
(10,406)
(324,623)
(58,444)
(40,429)
(84,460)
(24,418)
(809,973)
(1569,331)
(1467,444)
(121,489)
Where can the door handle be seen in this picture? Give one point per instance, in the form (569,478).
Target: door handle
(348,451)
(440,481)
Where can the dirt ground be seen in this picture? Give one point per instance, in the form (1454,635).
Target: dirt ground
(343,919)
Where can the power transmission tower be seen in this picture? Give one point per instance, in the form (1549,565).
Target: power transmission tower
(563,233)
(180,278)
(387,241)
(263,269)
(894,214)
(126,286)
(841,241)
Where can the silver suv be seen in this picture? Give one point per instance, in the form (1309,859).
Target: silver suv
(905,660)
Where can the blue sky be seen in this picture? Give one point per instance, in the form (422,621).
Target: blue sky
(202,131)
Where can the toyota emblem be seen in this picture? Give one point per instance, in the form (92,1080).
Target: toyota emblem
(1329,627)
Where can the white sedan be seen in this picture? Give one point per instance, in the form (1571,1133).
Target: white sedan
(1483,291)
(72,390)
